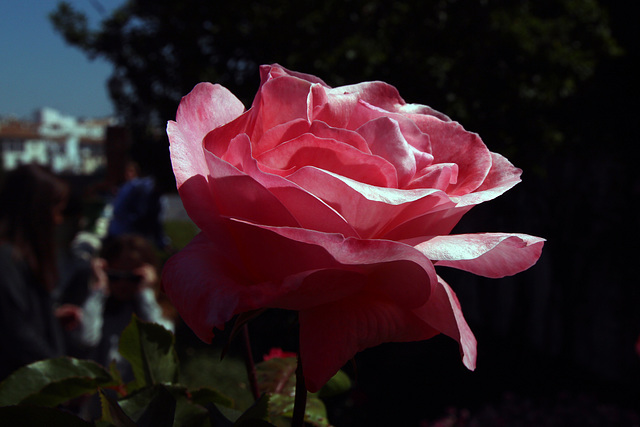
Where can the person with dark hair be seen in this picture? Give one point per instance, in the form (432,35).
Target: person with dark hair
(32,201)
(127,284)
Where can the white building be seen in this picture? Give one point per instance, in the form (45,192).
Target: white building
(63,143)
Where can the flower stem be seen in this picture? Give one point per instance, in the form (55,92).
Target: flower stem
(300,401)
(249,363)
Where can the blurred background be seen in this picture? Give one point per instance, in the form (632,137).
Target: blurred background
(550,84)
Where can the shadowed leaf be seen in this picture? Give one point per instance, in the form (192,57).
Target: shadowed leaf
(39,416)
(53,381)
(150,350)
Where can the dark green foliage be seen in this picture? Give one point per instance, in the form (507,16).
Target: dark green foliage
(277,378)
(155,397)
(53,381)
(149,348)
(30,416)
(497,66)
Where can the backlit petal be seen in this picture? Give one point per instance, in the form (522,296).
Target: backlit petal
(492,255)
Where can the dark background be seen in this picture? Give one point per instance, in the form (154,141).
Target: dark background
(550,84)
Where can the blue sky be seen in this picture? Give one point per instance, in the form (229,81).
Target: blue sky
(38,69)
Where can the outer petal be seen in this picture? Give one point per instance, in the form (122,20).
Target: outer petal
(331,335)
(416,110)
(451,143)
(501,177)
(206,107)
(428,223)
(442,311)
(394,269)
(237,267)
(492,255)
(203,282)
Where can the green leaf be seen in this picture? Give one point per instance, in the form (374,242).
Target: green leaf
(188,413)
(277,378)
(338,384)
(136,403)
(150,350)
(53,381)
(204,395)
(257,415)
(229,376)
(315,413)
(220,416)
(24,416)
(277,375)
(161,410)
(163,403)
(112,413)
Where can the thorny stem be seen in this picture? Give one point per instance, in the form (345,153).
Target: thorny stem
(300,401)
(249,363)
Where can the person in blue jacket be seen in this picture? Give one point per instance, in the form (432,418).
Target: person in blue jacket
(137,209)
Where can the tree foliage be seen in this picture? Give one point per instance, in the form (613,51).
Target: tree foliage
(491,64)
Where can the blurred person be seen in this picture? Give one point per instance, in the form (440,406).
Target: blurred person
(76,254)
(32,201)
(127,283)
(137,208)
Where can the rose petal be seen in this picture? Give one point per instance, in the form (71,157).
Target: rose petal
(202,281)
(307,209)
(206,107)
(218,274)
(276,70)
(502,177)
(442,311)
(282,99)
(279,134)
(330,155)
(218,139)
(412,111)
(332,334)
(373,211)
(362,255)
(364,112)
(492,255)
(336,106)
(191,171)
(385,139)
(451,143)
(427,223)
(377,93)
(225,272)
(439,176)
(238,195)
(323,130)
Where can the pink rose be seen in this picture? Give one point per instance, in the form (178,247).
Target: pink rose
(336,203)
